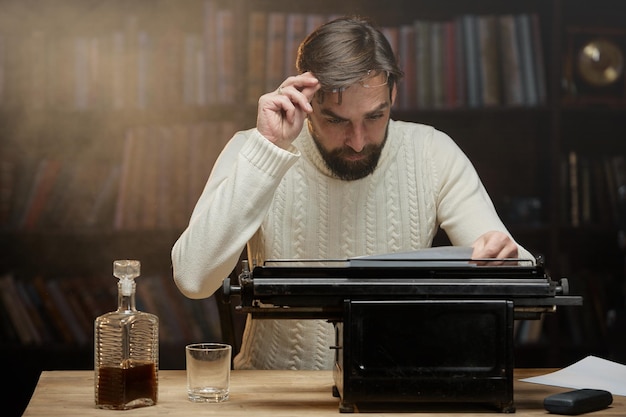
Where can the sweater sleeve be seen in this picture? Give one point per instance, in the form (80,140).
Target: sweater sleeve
(464,209)
(232,206)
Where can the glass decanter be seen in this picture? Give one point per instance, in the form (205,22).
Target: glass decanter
(126,348)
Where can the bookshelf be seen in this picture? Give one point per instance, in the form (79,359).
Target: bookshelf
(112,113)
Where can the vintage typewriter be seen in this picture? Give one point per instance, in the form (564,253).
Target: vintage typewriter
(426,327)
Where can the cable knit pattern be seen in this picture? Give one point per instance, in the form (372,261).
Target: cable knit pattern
(324,216)
(300,215)
(393,216)
(278,208)
(412,196)
(347,225)
(295,209)
(370,218)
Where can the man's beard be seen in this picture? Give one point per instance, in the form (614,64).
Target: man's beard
(346,169)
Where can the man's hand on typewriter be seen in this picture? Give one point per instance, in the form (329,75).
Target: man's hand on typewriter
(494,245)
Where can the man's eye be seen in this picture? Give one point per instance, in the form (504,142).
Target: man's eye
(335,121)
(375,116)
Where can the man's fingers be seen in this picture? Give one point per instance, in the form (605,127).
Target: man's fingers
(494,245)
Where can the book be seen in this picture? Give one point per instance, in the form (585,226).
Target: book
(489,67)
(81,78)
(20,318)
(3,63)
(34,308)
(437,66)
(35,49)
(611,189)
(225,55)
(564,191)
(58,91)
(450,66)
(165,185)
(178,143)
(79,185)
(44,322)
(101,75)
(97,294)
(46,176)
(618,172)
(8,332)
(25,176)
(145,70)
(209,37)
(11,70)
(538,59)
(166,91)
(63,303)
(295,32)
(513,94)
(82,318)
(275,53)
(460,62)
(8,178)
(602,213)
(129,191)
(257,45)
(574,189)
(407,92)
(150,173)
(192,46)
(61,196)
(423,76)
(102,207)
(129,95)
(529,81)
(585,190)
(118,70)
(469,30)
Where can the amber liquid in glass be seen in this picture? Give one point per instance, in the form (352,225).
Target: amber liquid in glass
(120,386)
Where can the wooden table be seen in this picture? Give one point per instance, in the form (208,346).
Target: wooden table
(260,393)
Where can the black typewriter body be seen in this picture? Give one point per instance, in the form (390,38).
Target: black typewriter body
(451,351)
(409,333)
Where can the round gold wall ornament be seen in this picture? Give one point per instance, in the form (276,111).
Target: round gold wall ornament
(600,62)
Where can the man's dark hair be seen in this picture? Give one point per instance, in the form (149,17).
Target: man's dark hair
(345,51)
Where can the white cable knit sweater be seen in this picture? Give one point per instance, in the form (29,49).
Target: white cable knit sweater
(286,204)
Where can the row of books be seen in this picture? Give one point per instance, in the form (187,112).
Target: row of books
(135,64)
(593,190)
(41,310)
(152,183)
(469,61)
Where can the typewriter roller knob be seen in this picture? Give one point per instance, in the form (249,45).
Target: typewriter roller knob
(563,287)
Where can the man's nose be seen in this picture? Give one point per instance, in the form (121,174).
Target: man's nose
(356,138)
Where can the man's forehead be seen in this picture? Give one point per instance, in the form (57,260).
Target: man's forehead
(342,102)
(372,82)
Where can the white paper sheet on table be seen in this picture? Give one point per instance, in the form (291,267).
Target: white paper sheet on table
(590,372)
